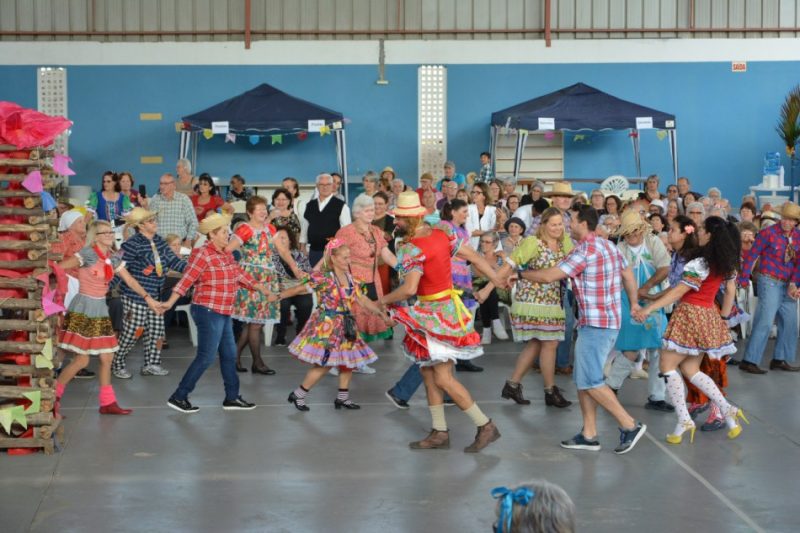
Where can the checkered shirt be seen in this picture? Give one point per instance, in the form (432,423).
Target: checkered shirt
(216,277)
(595,267)
(769,248)
(485,175)
(175,216)
(137,253)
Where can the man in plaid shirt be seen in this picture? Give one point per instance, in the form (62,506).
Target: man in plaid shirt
(175,211)
(147,257)
(777,249)
(595,266)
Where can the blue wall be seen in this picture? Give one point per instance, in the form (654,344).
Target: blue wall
(725,121)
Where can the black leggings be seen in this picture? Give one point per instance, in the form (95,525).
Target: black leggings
(303,304)
(490,309)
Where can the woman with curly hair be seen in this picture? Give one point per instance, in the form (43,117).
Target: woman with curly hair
(696,326)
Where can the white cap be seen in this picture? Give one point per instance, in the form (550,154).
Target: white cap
(68,219)
(658,202)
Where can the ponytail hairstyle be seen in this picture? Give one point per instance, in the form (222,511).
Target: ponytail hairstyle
(688,228)
(723,251)
(453,205)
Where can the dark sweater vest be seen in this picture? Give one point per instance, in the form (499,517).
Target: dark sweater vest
(322,225)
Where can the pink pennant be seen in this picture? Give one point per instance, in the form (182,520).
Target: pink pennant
(230,138)
(549,135)
(61,165)
(49,306)
(33,181)
(44,278)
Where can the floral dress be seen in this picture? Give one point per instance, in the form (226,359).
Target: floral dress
(87,326)
(258,253)
(696,325)
(536,308)
(364,254)
(462,273)
(322,341)
(438,326)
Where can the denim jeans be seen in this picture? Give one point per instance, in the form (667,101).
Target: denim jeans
(409,383)
(565,346)
(214,334)
(773,300)
(591,351)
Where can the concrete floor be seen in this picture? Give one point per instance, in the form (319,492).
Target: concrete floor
(276,469)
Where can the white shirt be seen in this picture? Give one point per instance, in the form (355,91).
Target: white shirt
(344,218)
(525,213)
(487,222)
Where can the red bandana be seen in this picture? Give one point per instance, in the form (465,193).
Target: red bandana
(106,263)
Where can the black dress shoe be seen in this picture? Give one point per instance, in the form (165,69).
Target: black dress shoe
(398,402)
(85,373)
(264,371)
(293,399)
(468,366)
(240,367)
(750,368)
(346,404)
(783,365)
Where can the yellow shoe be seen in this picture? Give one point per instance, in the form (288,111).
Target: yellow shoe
(677,437)
(735,414)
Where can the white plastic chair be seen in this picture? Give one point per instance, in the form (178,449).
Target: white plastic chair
(192,326)
(615,184)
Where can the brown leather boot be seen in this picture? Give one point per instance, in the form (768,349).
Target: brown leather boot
(555,399)
(486,435)
(511,392)
(436,440)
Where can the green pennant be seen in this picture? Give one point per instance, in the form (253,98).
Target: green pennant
(277,139)
(36,398)
(42,362)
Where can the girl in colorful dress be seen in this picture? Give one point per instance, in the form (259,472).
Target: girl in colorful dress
(326,341)
(367,245)
(259,252)
(696,326)
(87,326)
(537,316)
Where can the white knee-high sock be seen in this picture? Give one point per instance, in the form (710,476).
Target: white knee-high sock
(706,384)
(676,393)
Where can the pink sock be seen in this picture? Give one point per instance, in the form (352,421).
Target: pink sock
(60,390)
(106,395)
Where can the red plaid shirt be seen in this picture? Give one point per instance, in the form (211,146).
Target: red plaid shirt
(216,277)
(595,267)
(769,248)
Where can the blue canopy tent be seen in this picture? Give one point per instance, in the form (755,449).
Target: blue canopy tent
(581,107)
(264,111)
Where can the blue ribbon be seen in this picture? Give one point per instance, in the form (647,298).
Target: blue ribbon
(508,498)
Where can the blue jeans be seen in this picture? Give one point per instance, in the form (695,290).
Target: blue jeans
(773,300)
(565,346)
(409,383)
(591,350)
(214,334)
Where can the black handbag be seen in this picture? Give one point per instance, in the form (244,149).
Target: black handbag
(350,329)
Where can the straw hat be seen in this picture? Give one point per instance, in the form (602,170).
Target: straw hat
(138,215)
(408,205)
(561,188)
(790,210)
(631,222)
(212,222)
(389,169)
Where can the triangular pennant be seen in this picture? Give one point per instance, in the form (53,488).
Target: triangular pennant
(324,130)
(6,419)
(208,133)
(254,139)
(41,361)
(230,138)
(61,165)
(549,135)
(36,401)
(578,137)
(33,181)
(661,134)
(178,127)
(303,135)
(47,349)
(18,415)
(276,139)
(49,306)
(48,202)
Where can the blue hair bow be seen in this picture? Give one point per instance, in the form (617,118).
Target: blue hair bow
(508,498)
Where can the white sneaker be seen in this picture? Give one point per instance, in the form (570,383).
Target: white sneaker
(122,374)
(486,338)
(639,373)
(498,330)
(366,369)
(154,370)
(334,371)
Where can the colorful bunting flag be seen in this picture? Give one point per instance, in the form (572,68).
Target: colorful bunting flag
(661,134)
(324,130)
(36,401)
(230,138)
(33,181)
(303,135)
(254,139)
(277,139)
(207,133)
(41,361)
(61,165)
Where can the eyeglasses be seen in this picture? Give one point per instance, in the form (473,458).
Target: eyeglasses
(104,233)
(695,212)
(487,242)
(166,183)
(476,192)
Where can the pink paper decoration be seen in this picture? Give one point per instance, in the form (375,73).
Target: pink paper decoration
(61,165)
(33,181)
(50,307)
(549,135)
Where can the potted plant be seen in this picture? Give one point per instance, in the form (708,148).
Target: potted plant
(789,128)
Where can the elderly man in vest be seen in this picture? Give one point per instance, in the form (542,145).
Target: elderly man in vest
(323,217)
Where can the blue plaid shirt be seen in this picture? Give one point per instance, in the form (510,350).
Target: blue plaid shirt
(770,250)
(137,253)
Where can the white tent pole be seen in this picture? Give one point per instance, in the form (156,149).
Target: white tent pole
(636,157)
(522,138)
(673,148)
(341,159)
(494,132)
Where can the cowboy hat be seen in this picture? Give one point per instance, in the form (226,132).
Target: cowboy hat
(138,215)
(790,210)
(631,222)
(408,205)
(389,169)
(212,222)
(561,188)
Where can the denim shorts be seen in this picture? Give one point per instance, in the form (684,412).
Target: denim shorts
(591,351)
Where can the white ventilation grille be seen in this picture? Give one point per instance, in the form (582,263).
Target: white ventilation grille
(432,118)
(52,90)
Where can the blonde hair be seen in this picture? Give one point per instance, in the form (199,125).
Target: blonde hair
(91,235)
(547,214)
(413,225)
(172,238)
(327,264)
